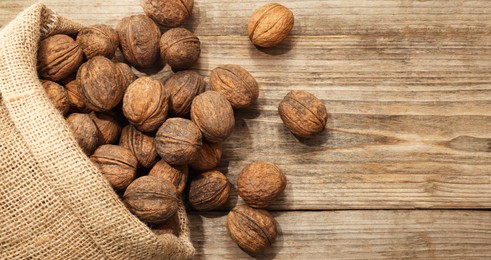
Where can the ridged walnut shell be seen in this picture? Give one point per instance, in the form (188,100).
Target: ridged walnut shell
(260,183)
(183,87)
(145,104)
(302,113)
(139,40)
(58,96)
(177,175)
(100,83)
(270,25)
(179,48)
(98,40)
(252,229)
(58,56)
(214,116)
(142,145)
(117,164)
(208,156)
(127,75)
(84,131)
(108,127)
(168,13)
(208,191)
(178,141)
(236,84)
(151,199)
(76,98)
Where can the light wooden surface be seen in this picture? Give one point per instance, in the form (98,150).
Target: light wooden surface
(407,86)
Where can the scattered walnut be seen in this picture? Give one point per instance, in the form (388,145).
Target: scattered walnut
(75,97)
(98,40)
(183,87)
(117,164)
(177,175)
(236,84)
(270,25)
(142,145)
(58,56)
(209,190)
(177,141)
(208,156)
(168,13)
(108,126)
(179,48)
(127,75)
(84,131)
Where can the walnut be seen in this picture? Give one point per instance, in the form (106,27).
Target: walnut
(214,116)
(99,82)
(177,141)
(177,175)
(260,183)
(151,199)
(183,87)
(145,104)
(58,56)
(108,127)
(84,131)
(208,156)
(209,190)
(139,40)
(170,226)
(168,13)
(252,229)
(98,40)
(116,163)
(270,25)
(179,48)
(142,145)
(58,96)
(127,75)
(302,113)
(75,97)
(236,84)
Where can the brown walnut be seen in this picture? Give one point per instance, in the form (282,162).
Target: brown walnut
(127,75)
(177,175)
(168,13)
(151,199)
(58,96)
(142,145)
(302,113)
(116,163)
(208,156)
(236,84)
(252,229)
(145,104)
(100,83)
(75,97)
(108,126)
(98,40)
(179,48)
(58,56)
(209,190)
(270,25)
(139,40)
(84,131)
(260,183)
(183,87)
(178,141)
(214,116)
(170,226)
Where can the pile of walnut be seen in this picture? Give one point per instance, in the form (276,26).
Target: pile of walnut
(128,124)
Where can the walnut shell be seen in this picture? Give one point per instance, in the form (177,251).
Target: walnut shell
(116,163)
(168,13)
(208,191)
(151,199)
(236,84)
(270,25)
(58,56)
(302,113)
(141,145)
(214,116)
(75,97)
(139,40)
(58,96)
(183,87)
(177,175)
(178,141)
(98,40)
(208,157)
(84,131)
(127,75)
(145,104)
(260,183)
(179,48)
(107,126)
(170,226)
(100,83)
(252,229)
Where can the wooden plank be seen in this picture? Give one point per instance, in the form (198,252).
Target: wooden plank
(428,234)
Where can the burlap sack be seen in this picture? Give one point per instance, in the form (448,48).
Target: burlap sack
(54,204)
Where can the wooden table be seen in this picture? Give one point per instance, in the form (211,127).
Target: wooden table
(404,167)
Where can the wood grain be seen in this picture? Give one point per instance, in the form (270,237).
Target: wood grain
(357,235)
